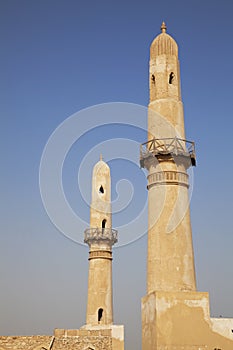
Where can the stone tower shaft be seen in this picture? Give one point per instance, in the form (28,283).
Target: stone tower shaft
(167,156)
(100,237)
(174,315)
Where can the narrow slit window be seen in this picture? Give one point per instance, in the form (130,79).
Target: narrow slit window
(153,79)
(104,223)
(100,314)
(101,189)
(171,78)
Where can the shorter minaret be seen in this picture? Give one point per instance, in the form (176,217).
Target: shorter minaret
(100,237)
(99,332)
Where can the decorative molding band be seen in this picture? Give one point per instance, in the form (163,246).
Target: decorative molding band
(100,254)
(168,178)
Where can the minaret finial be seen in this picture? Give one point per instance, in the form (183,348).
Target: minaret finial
(101,156)
(163,27)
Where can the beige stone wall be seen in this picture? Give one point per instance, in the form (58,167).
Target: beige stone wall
(111,338)
(97,338)
(181,321)
(82,339)
(24,342)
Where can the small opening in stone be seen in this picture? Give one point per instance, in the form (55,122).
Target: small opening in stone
(153,78)
(100,314)
(101,189)
(104,223)
(171,77)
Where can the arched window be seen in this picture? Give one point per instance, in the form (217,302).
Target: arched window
(171,78)
(104,223)
(101,189)
(100,314)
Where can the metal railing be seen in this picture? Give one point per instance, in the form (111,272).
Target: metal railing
(168,146)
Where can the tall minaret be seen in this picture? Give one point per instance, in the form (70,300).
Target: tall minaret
(167,156)
(174,315)
(100,237)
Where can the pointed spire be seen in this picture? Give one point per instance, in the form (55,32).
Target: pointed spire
(163,27)
(101,157)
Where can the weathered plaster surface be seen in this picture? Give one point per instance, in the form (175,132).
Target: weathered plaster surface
(223,326)
(181,321)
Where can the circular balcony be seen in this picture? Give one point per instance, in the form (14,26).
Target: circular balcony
(173,147)
(101,235)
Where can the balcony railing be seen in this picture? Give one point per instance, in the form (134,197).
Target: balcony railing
(94,234)
(168,146)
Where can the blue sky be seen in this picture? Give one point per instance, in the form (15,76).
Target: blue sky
(59,57)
